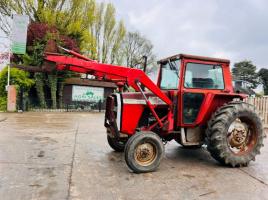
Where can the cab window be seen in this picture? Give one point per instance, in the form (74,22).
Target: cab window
(203,76)
(170,75)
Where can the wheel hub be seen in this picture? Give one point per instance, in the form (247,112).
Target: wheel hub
(238,137)
(145,154)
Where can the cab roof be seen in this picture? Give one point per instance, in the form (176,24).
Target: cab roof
(202,58)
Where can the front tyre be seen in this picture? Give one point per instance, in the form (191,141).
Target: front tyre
(116,144)
(235,134)
(143,152)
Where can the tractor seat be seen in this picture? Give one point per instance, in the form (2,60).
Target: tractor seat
(203,83)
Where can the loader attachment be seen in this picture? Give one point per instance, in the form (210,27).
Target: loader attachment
(135,78)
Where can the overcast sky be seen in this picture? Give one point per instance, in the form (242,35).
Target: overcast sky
(233,29)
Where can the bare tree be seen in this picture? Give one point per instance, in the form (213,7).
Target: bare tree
(134,48)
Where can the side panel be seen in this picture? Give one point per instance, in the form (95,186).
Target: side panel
(210,104)
(191,106)
(120,116)
(130,117)
(119,110)
(133,105)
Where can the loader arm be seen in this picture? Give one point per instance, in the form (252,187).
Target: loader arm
(132,77)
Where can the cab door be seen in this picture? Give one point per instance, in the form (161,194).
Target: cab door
(200,79)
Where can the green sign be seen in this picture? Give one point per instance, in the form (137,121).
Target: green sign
(19,34)
(87,94)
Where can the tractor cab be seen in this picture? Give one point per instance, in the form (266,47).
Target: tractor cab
(197,73)
(192,81)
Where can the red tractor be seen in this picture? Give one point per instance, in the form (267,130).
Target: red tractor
(193,103)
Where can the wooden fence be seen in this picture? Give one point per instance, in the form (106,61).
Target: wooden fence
(261,104)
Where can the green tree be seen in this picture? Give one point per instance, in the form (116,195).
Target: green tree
(108,30)
(73,18)
(246,71)
(35,59)
(93,25)
(52,79)
(18,78)
(117,43)
(97,28)
(70,18)
(263,74)
(108,33)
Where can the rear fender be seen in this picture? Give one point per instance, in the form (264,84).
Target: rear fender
(211,103)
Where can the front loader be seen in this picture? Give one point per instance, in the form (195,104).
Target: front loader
(193,103)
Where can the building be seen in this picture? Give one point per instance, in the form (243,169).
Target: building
(86,94)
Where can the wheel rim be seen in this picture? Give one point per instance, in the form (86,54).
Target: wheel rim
(241,136)
(145,154)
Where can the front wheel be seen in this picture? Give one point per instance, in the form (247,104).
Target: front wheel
(143,152)
(235,134)
(116,144)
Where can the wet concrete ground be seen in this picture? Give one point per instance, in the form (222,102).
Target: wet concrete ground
(66,156)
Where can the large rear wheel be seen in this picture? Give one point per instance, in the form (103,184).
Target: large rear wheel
(143,152)
(235,134)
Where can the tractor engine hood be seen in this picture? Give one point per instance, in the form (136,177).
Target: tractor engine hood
(124,111)
(137,98)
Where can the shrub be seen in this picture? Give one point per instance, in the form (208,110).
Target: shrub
(18,78)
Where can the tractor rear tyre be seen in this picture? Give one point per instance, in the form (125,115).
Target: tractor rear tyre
(117,145)
(143,152)
(235,134)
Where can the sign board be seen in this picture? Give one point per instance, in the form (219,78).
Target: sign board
(87,94)
(19,34)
